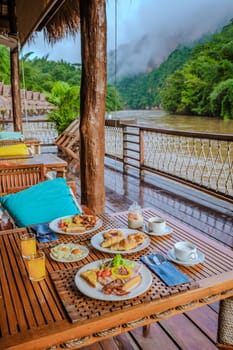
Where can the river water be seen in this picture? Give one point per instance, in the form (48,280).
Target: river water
(162,120)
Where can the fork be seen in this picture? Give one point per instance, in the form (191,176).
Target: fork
(160,257)
(152,260)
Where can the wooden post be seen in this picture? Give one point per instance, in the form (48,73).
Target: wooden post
(92,105)
(15,90)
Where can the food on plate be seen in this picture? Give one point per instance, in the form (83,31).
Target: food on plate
(78,223)
(76,251)
(125,244)
(117,276)
(113,233)
(139,237)
(110,241)
(90,276)
(67,251)
(116,240)
(134,281)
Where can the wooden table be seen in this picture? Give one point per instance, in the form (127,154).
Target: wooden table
(50,161)
(38,315)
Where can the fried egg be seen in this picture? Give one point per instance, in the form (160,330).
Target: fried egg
(66,251)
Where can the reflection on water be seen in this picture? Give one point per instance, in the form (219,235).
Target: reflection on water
(160,119)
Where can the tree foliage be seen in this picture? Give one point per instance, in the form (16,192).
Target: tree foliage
(4,65)
(67,101)
(205,79)
(143,90)
(60,81)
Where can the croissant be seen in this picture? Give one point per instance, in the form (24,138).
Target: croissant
(139,237)
(113,233)
(110,241)
(125,244)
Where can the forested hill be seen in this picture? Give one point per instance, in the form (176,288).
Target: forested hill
(197,81)
(142,91)
(41,74)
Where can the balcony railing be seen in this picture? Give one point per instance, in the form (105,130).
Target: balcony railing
(198,159)
(202,160)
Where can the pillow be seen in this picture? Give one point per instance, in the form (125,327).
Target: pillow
(11,135)
(40,203)
(19,149)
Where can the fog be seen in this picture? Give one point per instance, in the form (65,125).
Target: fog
(146,31)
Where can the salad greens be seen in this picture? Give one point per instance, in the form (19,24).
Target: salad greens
(119,261)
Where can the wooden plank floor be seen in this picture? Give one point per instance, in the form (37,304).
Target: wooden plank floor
(194,330)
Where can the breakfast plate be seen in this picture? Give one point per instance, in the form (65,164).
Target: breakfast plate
(54,226)
(97,240)
(190,262)
(68,252)
(97,293)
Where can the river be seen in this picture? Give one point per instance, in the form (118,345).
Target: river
(162,120)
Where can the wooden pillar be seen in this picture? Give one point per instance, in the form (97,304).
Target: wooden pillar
(92,105)
(15,90)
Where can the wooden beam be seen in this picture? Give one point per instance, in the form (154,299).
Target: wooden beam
(15,90)
(92,105)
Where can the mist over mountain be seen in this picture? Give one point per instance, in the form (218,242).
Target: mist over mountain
(145,32)
(158,27)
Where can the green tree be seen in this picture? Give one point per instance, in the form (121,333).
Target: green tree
(221,99)
(67,100)
(113,102)
(172,93)
(5,65)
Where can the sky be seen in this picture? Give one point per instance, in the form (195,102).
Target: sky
(146,31)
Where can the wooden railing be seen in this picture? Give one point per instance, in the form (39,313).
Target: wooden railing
(199,159)
(202,160)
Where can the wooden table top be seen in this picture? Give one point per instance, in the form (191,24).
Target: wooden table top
(37,315)
(47,159)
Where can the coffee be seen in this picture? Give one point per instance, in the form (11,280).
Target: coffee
(157,225)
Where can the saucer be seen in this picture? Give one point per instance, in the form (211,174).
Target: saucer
(167,231)
(200,258)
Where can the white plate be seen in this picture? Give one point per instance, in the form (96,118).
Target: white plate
(200,258)
(97,293)
(97,239)
(53,225)
(69,257)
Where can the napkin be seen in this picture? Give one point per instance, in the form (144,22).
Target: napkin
(168,273)
(44,233)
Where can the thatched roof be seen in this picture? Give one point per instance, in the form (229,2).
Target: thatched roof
(65,22)
(57,18)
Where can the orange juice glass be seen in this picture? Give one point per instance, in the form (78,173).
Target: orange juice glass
(28,244)
(36,266)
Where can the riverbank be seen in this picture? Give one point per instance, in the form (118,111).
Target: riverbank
(161,119)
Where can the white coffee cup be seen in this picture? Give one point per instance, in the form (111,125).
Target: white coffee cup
(185,251)
(157,225)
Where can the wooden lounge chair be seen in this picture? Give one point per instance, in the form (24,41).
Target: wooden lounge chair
(14,178)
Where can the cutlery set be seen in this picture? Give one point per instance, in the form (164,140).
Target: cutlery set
(168,273)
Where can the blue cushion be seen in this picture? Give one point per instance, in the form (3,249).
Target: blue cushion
(40,203)
(11,135)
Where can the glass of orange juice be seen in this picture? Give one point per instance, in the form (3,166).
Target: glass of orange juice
(36,266)
(28,244)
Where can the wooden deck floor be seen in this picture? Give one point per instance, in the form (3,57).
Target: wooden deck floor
(194,330)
